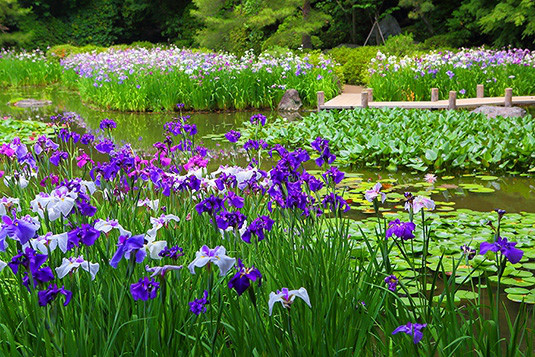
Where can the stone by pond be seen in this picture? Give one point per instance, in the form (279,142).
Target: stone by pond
(32,103)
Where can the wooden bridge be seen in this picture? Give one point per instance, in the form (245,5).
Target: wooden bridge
(365,100)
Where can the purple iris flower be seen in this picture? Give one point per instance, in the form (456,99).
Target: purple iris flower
(211,205)
(87,139)
(105,146)
(255,145)
(258,119)
(197,306)
(322,147)
(228,219)
(506,248)
(50,294)
(233,136)
(172,252)
(32,262)
(414,330)
(392,282)
(57,157)
(313,183)
(335,203)
(107,124)
(403,230)
(257,227)
(242,279)
(86,234)
(128,246)
(234,200)
(334,175)
(22,229)
(144,289)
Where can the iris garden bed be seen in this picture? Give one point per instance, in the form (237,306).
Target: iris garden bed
(411,78)
(106,250)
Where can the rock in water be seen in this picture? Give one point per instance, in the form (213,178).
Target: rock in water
(32,103)
(493,111)
(290,101)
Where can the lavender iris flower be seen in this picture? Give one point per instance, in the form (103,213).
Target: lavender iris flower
(144,289)
(322,147)
(162,270)
(50,294)
(242,279)
(216,256)
(375,192)
(286,298)
(506,248)
(403,230)
(57,157)
(414,330)
(173,253)
(210,205)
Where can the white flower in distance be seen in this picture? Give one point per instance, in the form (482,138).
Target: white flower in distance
(50,242)
(160,222)
(217,256)
(286,298)
(153,205)
(2,265)
(70,264)
(107,225)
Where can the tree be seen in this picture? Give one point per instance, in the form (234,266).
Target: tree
(419,10)
(510,20)
(239,25)
(10,15)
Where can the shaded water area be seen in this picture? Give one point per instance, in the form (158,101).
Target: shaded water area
(512,192)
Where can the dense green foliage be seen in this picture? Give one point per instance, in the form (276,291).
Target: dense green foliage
(416,139)
(355,62)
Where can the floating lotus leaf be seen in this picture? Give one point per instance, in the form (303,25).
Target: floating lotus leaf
(488,178)
(528,299)
(482,190)
(465,294)
(517,291)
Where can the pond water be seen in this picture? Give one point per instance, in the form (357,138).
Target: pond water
(514,193)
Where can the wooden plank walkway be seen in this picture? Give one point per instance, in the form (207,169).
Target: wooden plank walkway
(354,100)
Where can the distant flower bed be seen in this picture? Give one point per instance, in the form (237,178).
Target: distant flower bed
(27,68)
(140,79)
(414,139)
(411,78)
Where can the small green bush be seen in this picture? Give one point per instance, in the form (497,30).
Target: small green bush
(354,62)
(401,45)
(65,50)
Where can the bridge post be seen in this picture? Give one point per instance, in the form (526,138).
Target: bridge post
(480,91)
(321,99)
(364,99)
(508,102)
(452,100)
(434,94)
(370,94)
